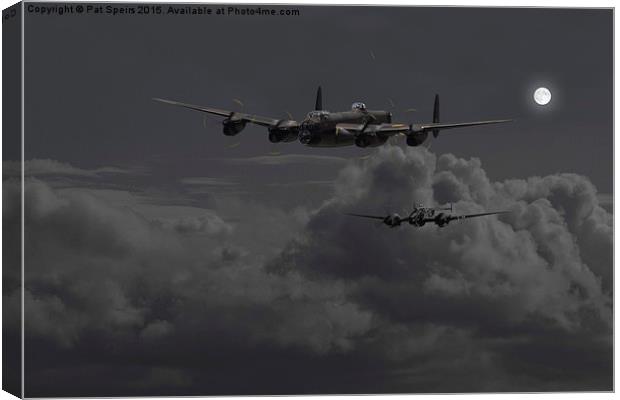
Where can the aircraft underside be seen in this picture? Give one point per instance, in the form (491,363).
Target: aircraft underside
(332,138)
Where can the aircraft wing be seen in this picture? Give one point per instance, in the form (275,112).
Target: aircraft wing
(479,215)
(459,217)
(392,129)
(366,216)
(389,129)
(395,129)
(440,125)
(255,119)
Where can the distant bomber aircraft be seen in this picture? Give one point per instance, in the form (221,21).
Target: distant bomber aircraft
(322,128)
(422,215)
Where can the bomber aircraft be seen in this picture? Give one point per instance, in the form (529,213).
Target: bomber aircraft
(422,215)
(321,128)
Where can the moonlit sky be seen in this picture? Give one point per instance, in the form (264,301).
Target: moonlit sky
(173,260)
(484,63)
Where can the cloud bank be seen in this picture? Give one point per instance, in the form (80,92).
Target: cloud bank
(313,301)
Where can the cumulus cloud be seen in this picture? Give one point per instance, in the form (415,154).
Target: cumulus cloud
(545,267)
(522,299)
(209,224)
(98,272)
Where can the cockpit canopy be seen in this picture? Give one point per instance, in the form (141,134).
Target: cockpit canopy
(358,105)
(318,114)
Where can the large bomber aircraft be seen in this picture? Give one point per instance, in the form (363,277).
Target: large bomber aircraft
(321,128)
(423,215)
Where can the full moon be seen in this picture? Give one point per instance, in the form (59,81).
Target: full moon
(542,96)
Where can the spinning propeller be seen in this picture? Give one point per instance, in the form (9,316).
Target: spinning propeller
(211,121)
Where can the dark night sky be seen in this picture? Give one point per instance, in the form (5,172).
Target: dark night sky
(174,260)
(89,81)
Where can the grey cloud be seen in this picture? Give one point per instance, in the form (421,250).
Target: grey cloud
(101,272)
(313,291)
(209,224)
(534,267)
(207,181)
(156,330)
(606,199)
(47,167)
(287,159)
(301,183)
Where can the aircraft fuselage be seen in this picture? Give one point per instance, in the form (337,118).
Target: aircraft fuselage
(320,129)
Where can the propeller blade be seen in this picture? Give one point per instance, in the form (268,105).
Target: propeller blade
(397,140)
(209,121)
(393,107)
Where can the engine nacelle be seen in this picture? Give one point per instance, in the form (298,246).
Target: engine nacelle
(232,126)
(369,140)
(309,138)
(442,219)
(393,220)
(416,139)
(417,221)
(277,135)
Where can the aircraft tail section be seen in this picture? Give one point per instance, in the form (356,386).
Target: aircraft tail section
(436,115)
(318,105)
(417,133)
